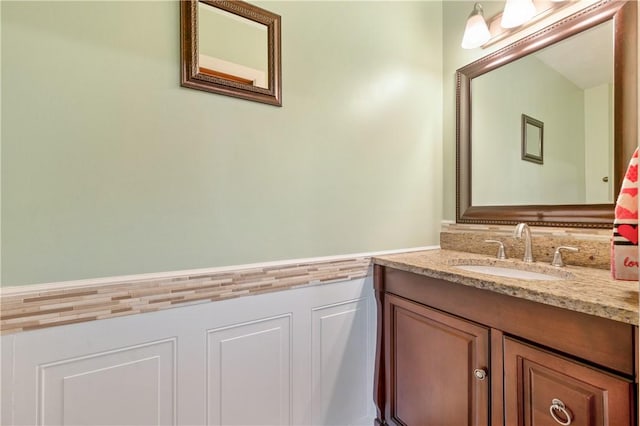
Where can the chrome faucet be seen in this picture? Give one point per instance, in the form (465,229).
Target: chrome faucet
(523,229)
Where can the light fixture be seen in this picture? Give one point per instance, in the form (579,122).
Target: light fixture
(517,12)
(476,33)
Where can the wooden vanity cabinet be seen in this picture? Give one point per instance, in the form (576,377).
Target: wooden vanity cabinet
(432,358)
(449,354)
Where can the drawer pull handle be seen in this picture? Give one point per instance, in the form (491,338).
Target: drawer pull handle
(557,406)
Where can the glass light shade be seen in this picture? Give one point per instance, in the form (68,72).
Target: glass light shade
(476,32)
(517,12)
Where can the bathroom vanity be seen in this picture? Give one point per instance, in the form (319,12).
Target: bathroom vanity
(466,346)
(458,347)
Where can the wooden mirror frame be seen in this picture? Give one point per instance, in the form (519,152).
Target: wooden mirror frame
(190,75)
(623,14)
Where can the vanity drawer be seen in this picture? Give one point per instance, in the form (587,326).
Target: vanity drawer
(542,388)
(594,339)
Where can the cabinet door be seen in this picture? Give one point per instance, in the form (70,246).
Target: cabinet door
(542,388)
(437,367)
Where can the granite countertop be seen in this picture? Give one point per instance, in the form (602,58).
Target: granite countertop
(587,290)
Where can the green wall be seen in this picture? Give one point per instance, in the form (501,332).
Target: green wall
(109,167)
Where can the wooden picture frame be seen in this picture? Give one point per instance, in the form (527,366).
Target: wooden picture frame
(532,140)
(198,76)
(623,14)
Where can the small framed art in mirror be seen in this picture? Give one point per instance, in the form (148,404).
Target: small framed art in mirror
(232,48)
(532,139)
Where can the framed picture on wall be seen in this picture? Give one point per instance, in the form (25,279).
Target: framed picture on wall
(532,139)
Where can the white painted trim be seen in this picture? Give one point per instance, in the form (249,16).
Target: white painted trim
(34,288)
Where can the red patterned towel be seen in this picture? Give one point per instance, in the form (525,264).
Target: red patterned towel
(624,245)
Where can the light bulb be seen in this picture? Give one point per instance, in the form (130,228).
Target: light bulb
(517,12)
(476,32)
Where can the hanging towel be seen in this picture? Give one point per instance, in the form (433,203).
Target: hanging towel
(624,245)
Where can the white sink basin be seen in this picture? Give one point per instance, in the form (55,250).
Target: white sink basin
(509,272)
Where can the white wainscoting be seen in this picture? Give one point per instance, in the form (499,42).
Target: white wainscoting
(133,385)
(341,381)
(296,357)
(232,361)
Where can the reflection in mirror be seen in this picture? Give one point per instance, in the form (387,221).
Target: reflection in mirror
(589,111)
(572,94)
(232,48)
(532,140)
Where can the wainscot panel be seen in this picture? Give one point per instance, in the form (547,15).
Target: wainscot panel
(291,357)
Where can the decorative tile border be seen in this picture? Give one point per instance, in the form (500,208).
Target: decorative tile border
(594,244)
(41,306)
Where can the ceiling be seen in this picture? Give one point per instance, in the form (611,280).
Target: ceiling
(586,58)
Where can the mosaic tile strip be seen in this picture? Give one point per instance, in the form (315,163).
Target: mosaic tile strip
(594,244)
(40,306)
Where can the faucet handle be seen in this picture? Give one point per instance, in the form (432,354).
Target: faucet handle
(500,254)
(557,256)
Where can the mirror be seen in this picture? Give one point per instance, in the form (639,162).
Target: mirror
(545,126)
(568,97)
(231,48)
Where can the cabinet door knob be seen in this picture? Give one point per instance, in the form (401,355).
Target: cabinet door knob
(557,406)
(480,373)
